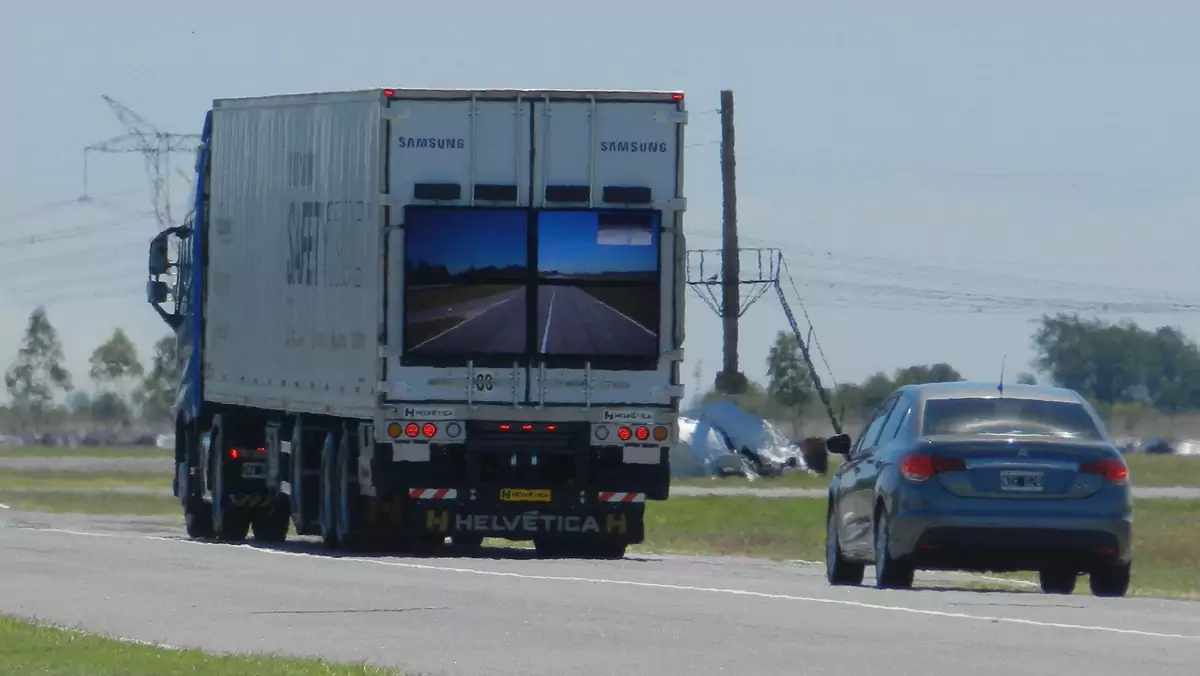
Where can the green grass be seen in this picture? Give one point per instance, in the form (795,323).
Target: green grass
(83,452)
(1166,535)
(1163,470)
(75,479)
(1148,471)
(101,503)
(27,649)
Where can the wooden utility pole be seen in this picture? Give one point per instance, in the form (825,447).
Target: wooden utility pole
(729,380)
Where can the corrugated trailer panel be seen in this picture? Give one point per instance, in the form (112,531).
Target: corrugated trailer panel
(293,290)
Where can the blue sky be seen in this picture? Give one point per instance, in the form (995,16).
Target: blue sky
(461,239)
(567,244)
(915,161)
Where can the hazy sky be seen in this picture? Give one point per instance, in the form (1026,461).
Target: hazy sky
(937,173)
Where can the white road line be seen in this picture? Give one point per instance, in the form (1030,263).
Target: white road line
(549,316)
(460,324)
(623,315)
(4,506)
(648,585)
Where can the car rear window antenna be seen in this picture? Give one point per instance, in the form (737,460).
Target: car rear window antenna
(1000,387)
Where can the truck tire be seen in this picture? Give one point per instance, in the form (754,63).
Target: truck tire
(271,523)
(198,519)
(230,522)
(466,540)
(351,532)
(328,492)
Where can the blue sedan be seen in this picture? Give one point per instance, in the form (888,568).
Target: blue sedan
(971,476)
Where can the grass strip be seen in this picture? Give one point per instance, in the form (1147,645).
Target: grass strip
(83,452)
(1166,536)
(27,648)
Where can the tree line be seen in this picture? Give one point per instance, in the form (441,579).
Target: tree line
(44,395)
(1128,372)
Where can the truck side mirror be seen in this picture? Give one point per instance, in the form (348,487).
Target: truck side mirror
(159,262)
(839,444)
(157,292)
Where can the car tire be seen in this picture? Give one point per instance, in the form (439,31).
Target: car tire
(889,573)
(1110,579)
(1058,580)
(838,570)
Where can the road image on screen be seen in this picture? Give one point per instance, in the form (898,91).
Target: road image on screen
(465,275)
(598,294)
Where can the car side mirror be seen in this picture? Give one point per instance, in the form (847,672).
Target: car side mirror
(839,444)
(159,262)
(157,292)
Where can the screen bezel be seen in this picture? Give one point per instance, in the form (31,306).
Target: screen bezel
(530,356)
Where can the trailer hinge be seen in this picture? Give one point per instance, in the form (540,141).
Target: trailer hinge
(672,204)
(675,116)
(673,355)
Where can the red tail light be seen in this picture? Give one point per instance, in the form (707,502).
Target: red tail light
(429,430)
(624,433)
(1114,470)
(643,433)
(918,468)
(412,430)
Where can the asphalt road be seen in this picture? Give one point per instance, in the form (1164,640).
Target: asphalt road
(661,616)
(569,321)
(490,324)
(572,321)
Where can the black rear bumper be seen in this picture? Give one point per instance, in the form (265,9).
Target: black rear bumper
(615,522)
(1013,549)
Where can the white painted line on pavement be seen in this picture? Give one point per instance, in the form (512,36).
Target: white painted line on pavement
(647,585)
(549,317)
(3,506)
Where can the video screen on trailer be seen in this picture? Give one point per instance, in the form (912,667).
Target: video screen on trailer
(465,275)
(598,293)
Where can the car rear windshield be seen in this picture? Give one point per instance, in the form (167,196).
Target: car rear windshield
(1000,415)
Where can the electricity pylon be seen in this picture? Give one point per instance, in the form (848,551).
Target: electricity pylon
(156,148)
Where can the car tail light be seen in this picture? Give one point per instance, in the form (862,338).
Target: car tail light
(919,468)
(1114,470)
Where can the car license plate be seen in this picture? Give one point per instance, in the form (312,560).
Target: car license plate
(1021,481)
(524,495)
(254,470)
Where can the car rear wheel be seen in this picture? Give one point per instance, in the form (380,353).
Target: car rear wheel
(889,573)
(1058,580)
(838,570)
(1110,579)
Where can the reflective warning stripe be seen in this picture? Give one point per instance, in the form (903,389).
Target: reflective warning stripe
(622,497)
(432,493)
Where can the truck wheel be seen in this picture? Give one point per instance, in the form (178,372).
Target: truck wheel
(271,524)
(328,502)
(351,534)
(609,550)
(230,522)
(466,540)
(198,519)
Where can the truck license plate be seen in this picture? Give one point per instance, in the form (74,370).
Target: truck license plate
(254,470)
(524,495)
(1021,481)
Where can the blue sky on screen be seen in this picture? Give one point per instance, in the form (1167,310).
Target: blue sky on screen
(461,239)
(568,243)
